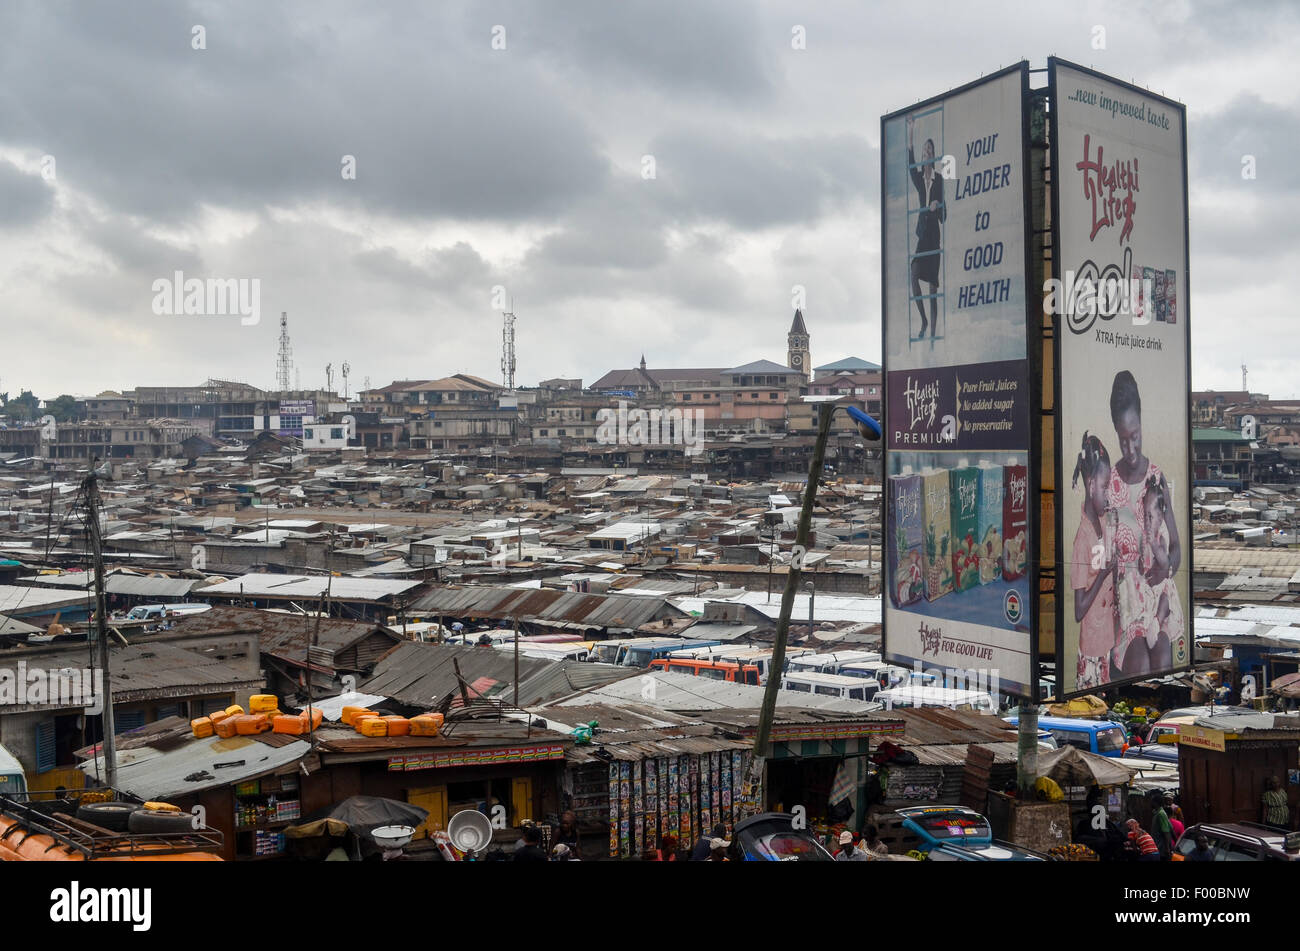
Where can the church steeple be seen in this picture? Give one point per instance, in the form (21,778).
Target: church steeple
(643,361)
(798,357)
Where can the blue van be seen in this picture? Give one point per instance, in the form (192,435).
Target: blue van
(1103,737)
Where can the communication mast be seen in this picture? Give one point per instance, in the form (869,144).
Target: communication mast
(1244,388)
(508,350)
(284,362)
(329,378)
(347,368)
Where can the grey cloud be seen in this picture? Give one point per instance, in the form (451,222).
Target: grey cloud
(24,198)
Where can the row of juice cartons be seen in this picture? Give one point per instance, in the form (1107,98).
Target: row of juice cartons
(951,530)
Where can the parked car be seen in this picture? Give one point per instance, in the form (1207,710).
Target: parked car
(772,837)
(1242,842)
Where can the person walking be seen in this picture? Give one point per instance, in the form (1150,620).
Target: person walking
(1276,809)
(1162,830)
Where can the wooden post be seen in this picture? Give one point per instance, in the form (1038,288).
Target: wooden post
(763,737)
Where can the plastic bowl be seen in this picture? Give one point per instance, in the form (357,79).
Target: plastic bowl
(392,837)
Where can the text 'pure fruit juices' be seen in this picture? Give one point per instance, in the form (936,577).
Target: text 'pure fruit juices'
(905,530)
(1015,521)
(936,500)
(964,483)
(989,525)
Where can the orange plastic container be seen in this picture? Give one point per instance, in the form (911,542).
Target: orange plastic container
(234,710)
(350,712)
(373,726)
(226,728)
(294,726)
(263,703)
(360,718)
(317,718)
(426,724)
(251,723)
(202,726)
(397,726)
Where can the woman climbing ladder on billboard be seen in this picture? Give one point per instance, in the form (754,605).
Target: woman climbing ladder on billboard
(929,239)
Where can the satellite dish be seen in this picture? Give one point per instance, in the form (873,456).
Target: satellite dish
(470,830)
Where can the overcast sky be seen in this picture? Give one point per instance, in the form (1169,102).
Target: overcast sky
(523,167)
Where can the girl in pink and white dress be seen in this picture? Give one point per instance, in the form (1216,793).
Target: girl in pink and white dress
(1126,496)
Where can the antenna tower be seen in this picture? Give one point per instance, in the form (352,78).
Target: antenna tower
(329,378)
(508,349)
(284,362)
(347,368)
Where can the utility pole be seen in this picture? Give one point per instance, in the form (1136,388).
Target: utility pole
(109,743)
(763,737)
(515,623)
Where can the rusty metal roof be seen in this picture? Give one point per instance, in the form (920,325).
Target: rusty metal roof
(421,675)
(286,635)
(616,612)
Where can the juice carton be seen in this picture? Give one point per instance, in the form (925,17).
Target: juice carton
(964,484)
(907,582)
(989,526)
(1015,521)
(936,505)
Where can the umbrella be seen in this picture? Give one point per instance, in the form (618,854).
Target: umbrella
(1071,766)
(1286,686)
(363,813)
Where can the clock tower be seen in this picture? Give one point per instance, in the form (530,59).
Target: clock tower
(798,357)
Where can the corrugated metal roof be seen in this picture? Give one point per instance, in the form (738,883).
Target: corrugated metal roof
(192,765)
(283,634)
(308,587)
(620,612)
(421,675)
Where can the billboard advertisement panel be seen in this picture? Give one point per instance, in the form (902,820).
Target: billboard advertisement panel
(958,404)
(1119,298)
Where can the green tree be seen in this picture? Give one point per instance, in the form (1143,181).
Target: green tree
(24,407)
(62,408)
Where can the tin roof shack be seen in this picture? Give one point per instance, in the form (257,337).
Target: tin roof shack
(602,615)
(482,759)
(1225,760)
(340,649)
(247,786)
(418,676)
(151,681)
(361,597)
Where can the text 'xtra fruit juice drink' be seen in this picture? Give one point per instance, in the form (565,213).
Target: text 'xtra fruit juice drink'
(989,524)
(1015,520)
(936,499)
(964,485)
(905,537)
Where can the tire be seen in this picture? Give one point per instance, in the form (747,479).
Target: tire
(143,821)
(107,815)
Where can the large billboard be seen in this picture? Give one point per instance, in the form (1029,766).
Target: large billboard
(1119,296)
(958,402)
